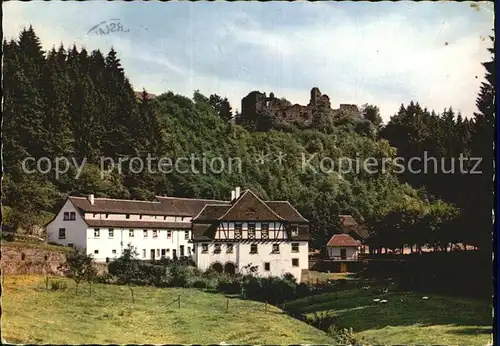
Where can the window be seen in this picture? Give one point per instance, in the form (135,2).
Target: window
(145,233)
(163,252)
(253,248)
(217,248)
(169,234)
(70,245)
(107,215)
(143,253)
(62,233)
(267,266)
(127,216)
(66,216)
(155,234)
(157,252)
(295,232)
(189,250)
(113,252)
(264,226)
(251,231)
(94,215)
(131,233)
(96,252)
(72,215)
(295,262)
(111,233)
(229,248)
(186,235)
(276,248)
(97,232)
(140,217)
(295,247)
(237,231)
(264,234)
(204,248)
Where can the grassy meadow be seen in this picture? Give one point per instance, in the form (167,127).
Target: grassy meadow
(406,318)
(33,314)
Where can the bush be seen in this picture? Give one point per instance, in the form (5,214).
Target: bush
(228,284)
(342,336)
(58,285)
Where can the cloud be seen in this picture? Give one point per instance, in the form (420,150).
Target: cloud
(380,53)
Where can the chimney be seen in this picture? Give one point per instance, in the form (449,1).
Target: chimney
(237,192)
(91,198)
(233,195)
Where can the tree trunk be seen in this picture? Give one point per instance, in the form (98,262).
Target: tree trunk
(132,292)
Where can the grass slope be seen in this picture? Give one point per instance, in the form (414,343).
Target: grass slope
(31,314)
(405,319)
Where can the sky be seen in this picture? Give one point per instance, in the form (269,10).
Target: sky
(381,53)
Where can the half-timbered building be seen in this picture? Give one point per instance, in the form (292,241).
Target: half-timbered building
(249,232)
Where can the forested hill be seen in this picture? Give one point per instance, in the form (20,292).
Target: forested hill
(76,104)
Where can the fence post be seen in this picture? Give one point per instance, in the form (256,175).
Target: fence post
(179,301)
(227,305)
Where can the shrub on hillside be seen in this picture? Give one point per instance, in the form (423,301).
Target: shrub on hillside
(229,284)
(58,285)
(342,336)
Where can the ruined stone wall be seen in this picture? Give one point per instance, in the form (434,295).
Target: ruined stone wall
(284,112)
(20,260)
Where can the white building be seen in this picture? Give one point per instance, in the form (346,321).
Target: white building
(105,227)
(224,235)
(343,247)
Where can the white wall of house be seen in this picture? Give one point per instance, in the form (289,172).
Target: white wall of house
(74,229)
(166,243)
(137,217)
(279,263)
(335,252)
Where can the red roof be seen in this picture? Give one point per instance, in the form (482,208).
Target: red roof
(342,240)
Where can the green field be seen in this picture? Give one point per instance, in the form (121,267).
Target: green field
(406,318)
(32,314)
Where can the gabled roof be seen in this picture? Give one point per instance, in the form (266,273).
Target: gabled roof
(108,205)
(186,206)
(344,240)
(286,211)
(351,226)
(249,207)
(165,206)
(212,212)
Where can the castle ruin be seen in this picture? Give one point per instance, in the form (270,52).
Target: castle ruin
(256,103)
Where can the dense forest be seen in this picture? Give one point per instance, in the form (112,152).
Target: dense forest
(69,102)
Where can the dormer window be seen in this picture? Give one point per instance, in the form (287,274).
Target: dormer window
(294,231)
(107,215)
(140,217)
(127,216)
